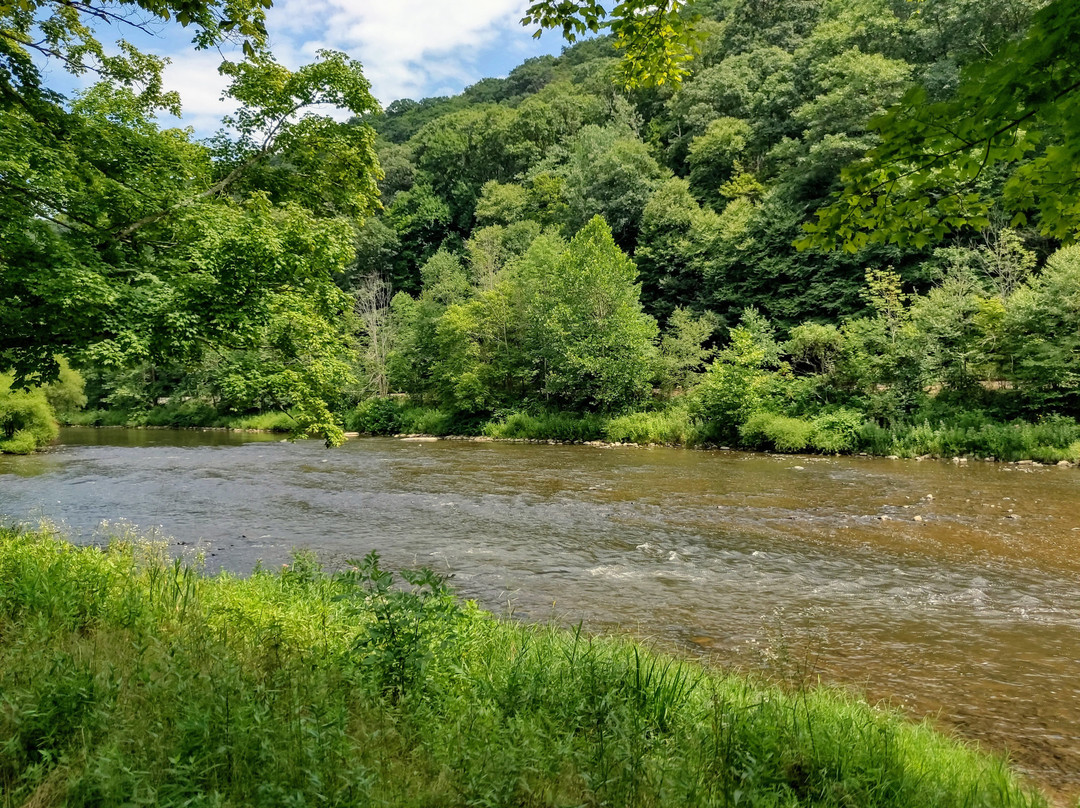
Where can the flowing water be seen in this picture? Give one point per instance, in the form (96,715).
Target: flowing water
(947,590)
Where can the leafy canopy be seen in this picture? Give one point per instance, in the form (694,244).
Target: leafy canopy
(1019,110)
(657,40)
(122,242)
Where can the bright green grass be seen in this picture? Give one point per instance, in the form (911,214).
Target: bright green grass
(130,679)
(184,415)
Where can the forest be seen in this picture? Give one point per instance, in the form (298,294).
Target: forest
(559,254)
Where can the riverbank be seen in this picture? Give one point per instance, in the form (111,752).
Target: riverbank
(1051,441)
(181,417)
(131,677)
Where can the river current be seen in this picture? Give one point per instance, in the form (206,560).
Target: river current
(947,590)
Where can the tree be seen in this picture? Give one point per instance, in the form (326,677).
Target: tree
(372,309)
(611,173)
(674,244)
(656,39)
(593,345)
(105,218)
(1019,111)
(683,348)
(1041,334)
(713,157)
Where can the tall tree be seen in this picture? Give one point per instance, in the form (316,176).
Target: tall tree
(107,220)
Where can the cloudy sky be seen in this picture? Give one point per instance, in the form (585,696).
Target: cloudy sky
(409,48)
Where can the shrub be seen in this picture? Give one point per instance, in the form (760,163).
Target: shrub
(427,421)
(376,416)
(836,431)
(26,419)
(191,413)
(67,393)
(266,421)
(766,429)
(876,439)
(670,426)
(547,426)
(731,389)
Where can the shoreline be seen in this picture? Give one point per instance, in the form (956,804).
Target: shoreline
(958,460)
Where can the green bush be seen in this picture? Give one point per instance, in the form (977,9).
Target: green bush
(376,416)
(94,418)
(837,431)
(67,393)
(27,422)
(765,430)
(876,439)
(547,426)
(732,388)
(265,422)
(671,426)
(425,421)
(191,413)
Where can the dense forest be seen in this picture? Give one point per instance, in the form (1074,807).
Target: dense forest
(553,255)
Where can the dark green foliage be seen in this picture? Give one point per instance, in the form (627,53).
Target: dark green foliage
(407,630)
(376,416)
(1017,110)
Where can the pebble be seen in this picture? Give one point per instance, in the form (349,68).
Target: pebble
(918,518)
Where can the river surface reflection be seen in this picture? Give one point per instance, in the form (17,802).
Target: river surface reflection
(948,590)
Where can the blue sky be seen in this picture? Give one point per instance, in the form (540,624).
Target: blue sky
(409,48)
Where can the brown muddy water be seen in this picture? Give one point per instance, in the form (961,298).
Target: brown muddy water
(951,591)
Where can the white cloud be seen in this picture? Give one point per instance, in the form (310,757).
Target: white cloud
(409,48)
(194,74)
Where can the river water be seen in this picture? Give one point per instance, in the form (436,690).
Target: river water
(951,591)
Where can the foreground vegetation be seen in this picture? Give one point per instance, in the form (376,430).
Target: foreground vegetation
(129,678)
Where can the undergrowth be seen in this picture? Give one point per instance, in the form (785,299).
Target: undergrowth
(129,678)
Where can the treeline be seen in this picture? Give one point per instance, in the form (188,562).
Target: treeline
(553,250)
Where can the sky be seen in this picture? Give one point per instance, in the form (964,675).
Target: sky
(409,48)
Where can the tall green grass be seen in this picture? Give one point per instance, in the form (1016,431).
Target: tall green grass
(128,678)
(182,415)
(546,426)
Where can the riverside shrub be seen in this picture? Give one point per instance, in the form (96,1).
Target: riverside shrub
(376,416)
(768,430)
(836,431)
(26,420)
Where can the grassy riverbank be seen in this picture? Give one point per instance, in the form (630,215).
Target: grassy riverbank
(1050,440)
(127,678)
(182,416)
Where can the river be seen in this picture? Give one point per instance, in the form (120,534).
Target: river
(947,590)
